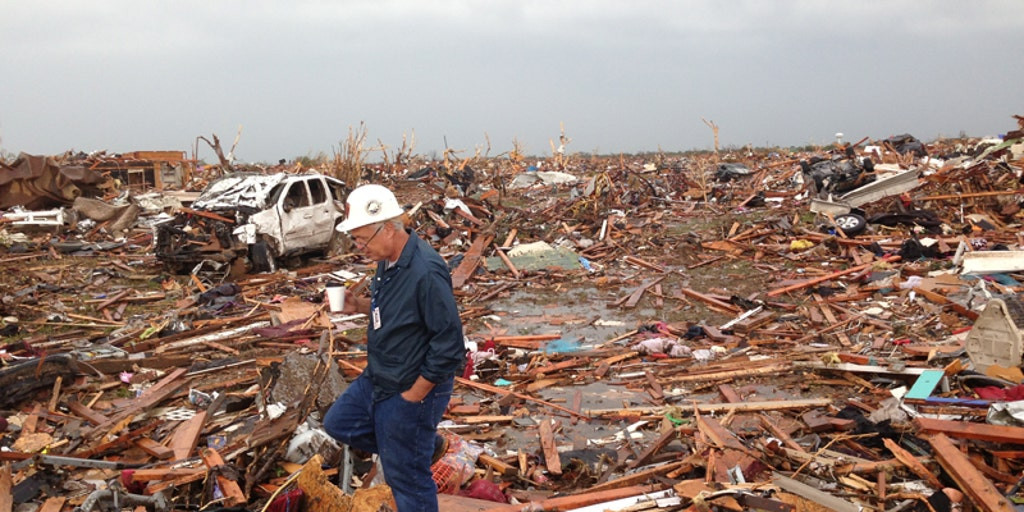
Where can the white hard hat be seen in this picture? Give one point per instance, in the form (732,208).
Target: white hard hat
(369,204)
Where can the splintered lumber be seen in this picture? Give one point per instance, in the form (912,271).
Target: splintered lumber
(557,367)
(6,484)
(729,394)
(86,413)
(563,503)
(321,495)
(631,300)
(984,495)
(711,301)
(119,441)
(232,492)
(731,374)
(470,261)
(773,426)
(526,341)
(654,448)
(186,437)
(500,391)
(770,405)
(640,477)
(975,194)
(208,215)
(152,396)
(811,282)
(547,444)
(54,504)
(814,494)
(508,262)
(965,430)
(912,463)
(150,475)
(153,448)
(496,464)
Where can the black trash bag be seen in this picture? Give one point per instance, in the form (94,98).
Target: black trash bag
(212,295)
(731,171)
(906,143)
(913,250)
(694,332)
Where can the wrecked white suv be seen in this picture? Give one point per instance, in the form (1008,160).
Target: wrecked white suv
(253,218)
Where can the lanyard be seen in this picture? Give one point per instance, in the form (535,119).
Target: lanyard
(379,282)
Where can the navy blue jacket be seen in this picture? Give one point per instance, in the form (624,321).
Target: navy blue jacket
(420,331)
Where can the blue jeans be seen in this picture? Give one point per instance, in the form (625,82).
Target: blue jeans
(400,432)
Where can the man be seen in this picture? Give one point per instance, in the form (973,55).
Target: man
(414,345)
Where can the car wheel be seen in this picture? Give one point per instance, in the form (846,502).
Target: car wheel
(851,223)
(260,256)
(869,166)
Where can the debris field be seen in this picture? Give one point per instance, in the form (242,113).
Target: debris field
(828,329)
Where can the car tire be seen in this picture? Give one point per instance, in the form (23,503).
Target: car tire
(869,166)
(260,257)
(851,223)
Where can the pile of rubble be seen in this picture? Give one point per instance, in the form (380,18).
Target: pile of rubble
(838,329)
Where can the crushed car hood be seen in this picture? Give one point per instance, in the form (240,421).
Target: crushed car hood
(232,192)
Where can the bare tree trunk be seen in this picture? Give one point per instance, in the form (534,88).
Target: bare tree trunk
(225,164)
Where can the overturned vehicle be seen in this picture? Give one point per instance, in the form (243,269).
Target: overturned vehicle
(255,219)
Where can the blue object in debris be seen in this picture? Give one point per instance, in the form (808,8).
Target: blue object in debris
(585,263)
(502,382)
(561,345)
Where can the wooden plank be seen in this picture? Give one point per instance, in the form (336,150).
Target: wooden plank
(654,388)
(729,394)
(501,391)
(470,260)
(633,298)
(580,500)
(653,448)
(814,494)
(731,374)
(547,443)
(981,490)
(965,430)
(770,405)
(639,477)
(154,448)
(912,463)
(557,367)
(773,426)
(811,282)
(186,437)
(6,485)
(152,396)
(496,464)
(150,475)
(711,301)
(54,504)
(86,413)
(925,384)
(508,262)
(122,440)
(232,492)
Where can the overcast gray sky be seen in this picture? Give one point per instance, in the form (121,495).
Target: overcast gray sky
(623,76)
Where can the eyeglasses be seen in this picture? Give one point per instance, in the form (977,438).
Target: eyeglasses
(361,243)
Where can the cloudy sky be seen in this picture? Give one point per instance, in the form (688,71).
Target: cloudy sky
(623,76)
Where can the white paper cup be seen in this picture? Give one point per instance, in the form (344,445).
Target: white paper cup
(336,296)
